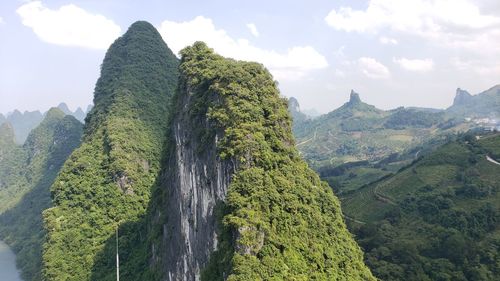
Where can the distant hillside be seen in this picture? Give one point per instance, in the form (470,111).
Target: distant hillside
(485,104)
(79,114)
(23,123)
(361,132)
(26,173)
(436,219)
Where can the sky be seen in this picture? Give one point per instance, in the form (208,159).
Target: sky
(394,53)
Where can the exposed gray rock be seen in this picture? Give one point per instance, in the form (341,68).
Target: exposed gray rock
(461,97)
(197,180)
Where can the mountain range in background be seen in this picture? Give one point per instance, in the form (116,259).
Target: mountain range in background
(481,106)
(358,131)
(419,187)
(24,122)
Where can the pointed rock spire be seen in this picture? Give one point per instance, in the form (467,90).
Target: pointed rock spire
(461,97)
(354,98)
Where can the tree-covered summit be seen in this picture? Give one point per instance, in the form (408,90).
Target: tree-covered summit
(107,181)
(279,221)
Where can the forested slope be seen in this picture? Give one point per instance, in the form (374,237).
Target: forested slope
(26,174)
(437,219)
(107,181)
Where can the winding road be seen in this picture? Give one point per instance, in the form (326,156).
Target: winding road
(492,160)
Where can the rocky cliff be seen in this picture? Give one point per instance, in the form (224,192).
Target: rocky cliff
(240,204)
(484,104)
(197,181)
(205,184)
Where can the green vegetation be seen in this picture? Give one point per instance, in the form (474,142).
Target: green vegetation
(26,175)
(360,132)
(436,219)
(280,222)
(108,180)
(404,118)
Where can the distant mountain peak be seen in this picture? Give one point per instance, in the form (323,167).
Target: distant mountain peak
(461,97)
(55,112)
(64,107)
(293,104)
(354,98)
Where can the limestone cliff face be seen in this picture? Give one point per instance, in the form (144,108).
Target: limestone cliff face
(461,97)
(197,179)
(238,201)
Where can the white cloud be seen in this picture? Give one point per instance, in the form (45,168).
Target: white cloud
(295,63)
(477,67)
(452,23)
(373,69)
(339,73)
(388,41)
(419,65)
(253,29)
(1,20)
(69,25)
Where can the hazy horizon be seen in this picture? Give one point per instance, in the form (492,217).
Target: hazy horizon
(411,54)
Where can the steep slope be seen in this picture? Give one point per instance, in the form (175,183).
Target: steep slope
(12,165)
(299,118)
(107,181)
(26,179)
(2,119)
(438,218)
(485,104)
(79,114)
(64,108)
(238,201)
(23,123)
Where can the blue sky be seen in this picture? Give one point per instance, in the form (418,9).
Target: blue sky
(410,53)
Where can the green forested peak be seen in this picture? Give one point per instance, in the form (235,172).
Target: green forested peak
(53,114)
(137,68)
(108,180)
(279,221)
(55,127)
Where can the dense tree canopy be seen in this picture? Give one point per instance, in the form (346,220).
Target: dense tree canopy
(287,223)
(26,175)
(107,181)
